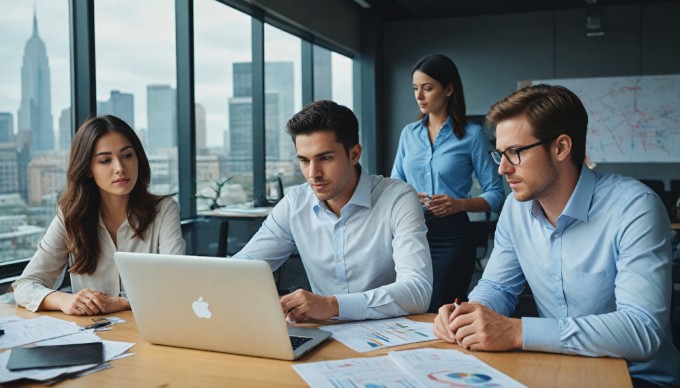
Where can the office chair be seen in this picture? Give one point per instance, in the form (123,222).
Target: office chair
(205,236)
(482,232)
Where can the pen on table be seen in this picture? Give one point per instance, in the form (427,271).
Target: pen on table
(97,325)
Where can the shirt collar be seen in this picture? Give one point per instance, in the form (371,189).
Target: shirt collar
(580,200)
(582,197)
(360,197)
(446,127)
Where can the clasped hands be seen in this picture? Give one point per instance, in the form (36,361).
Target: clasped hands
(302,305)
(477,327)
(90,302)
(441,204)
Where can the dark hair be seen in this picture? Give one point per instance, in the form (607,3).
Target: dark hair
(80,201)
(551,111)
(324,115)
(442,69)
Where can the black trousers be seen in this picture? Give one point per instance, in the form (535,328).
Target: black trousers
(452,247)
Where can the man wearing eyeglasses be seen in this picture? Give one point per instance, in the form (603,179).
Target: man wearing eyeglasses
(594,248)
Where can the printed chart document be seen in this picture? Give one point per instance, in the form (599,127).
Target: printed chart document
(365,336)
(25,331)
(407,368)
(442,367)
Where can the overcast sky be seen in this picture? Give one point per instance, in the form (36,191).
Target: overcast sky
(135,47)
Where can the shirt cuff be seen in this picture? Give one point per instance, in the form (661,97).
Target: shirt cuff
(351,307)
(541,334)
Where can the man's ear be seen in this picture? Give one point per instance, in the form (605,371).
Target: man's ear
(355,153)
(563,147)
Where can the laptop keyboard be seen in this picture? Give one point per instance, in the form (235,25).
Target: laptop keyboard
(298,341)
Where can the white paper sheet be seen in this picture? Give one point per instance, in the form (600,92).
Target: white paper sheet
(441,367)
(365,336)
(26,331)
(355,372)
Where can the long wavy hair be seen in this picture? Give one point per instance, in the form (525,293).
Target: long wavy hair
(80,202)
(441,68)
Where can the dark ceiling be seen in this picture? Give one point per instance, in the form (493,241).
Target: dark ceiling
(392,10)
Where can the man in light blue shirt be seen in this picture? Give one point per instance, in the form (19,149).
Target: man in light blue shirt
(595,249)
(361,237)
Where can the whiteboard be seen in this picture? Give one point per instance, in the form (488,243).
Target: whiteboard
(630,119)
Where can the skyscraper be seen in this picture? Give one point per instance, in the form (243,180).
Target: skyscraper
(6,127)
(279,107)
(121,105)
(161,107)
(200,129)
(35,112)
(65,129)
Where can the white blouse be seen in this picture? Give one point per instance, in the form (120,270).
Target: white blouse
(38,280)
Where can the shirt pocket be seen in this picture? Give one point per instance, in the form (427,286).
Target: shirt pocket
(589,293)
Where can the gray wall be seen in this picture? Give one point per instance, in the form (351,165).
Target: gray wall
(494,52)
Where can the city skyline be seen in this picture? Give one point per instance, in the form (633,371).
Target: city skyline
(152,61)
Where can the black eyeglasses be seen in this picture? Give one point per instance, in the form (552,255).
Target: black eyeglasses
(512,154)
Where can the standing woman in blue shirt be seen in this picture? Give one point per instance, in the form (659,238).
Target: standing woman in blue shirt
(437,155)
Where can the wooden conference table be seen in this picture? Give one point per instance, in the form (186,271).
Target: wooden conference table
(164,366)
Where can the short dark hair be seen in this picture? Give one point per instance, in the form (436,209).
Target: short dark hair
(551,111)
(444,70)
(324,115)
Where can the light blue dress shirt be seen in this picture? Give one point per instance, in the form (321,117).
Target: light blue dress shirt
(601,279)
(446,166)
(374,259)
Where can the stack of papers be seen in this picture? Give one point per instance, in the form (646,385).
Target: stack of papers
(47,330)
(408,368)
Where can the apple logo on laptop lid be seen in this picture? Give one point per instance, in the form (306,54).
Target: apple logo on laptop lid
(200,308)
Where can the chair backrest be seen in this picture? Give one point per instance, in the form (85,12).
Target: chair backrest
(206,236)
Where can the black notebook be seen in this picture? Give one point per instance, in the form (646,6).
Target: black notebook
(54,356)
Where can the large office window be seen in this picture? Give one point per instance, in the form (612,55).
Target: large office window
(283,97)
(332,77)
(223,83)
(35,128)
(136,82)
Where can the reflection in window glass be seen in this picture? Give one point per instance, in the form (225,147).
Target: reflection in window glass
(224,140)
(35,128)
(136,82)
(283,97)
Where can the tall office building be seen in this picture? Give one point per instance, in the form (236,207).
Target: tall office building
(121,105)
(35,112)
(200,130)
(6,127)
(66,131)
(279,107)
(9,168)
(47,177)
(161,107)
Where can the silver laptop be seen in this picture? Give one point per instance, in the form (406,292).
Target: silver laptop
(211,303)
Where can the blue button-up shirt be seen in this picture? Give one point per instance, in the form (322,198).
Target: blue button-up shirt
(446,166)
(601,279)
(374,258)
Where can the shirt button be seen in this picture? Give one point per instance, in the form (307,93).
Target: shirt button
(555,235)
(557,278)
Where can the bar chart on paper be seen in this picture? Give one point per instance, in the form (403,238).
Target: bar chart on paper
(371,335)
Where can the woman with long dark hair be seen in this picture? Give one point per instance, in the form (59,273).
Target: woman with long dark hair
(437,155)
(106,207)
